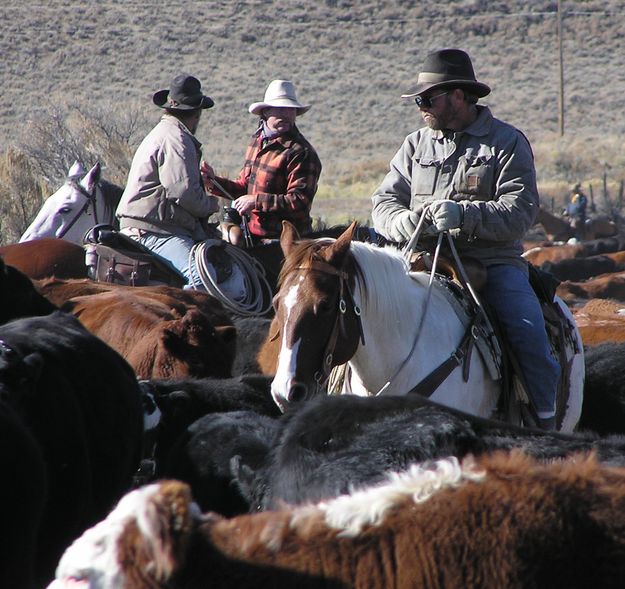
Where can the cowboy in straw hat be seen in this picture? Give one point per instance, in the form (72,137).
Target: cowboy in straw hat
(472,174)
(280,173)
(164,205)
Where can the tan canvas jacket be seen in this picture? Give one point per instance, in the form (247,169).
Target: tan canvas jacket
(164,192)
(488,169)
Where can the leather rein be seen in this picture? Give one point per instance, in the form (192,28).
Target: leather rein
(90,201)
(345,295)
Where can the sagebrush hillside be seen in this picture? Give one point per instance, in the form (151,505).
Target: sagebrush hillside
(350,59)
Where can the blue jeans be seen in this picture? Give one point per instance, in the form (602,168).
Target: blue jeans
(174,249)
(518,311)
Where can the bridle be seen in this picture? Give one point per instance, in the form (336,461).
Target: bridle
(322,375)
(91,200)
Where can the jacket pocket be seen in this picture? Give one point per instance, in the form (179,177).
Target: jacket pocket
(425,172)
(474,176)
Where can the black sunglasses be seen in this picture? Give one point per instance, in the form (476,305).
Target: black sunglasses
(426,101)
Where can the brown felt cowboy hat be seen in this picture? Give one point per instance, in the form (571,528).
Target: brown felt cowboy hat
(184,93)
(447,68)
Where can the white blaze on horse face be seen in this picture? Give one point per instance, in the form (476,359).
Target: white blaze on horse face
(287,360)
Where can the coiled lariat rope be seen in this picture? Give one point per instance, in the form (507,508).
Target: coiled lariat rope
(258,294)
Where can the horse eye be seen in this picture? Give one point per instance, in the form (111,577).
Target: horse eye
(324,307)
(64,210)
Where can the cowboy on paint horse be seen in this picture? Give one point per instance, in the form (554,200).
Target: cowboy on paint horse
(473,175)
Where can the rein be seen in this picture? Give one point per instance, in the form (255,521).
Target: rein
(322,375)
(90,200)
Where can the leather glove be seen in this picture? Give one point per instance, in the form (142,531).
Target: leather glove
(405,225)
(444,215)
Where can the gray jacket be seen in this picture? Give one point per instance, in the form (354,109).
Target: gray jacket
(164,192)
(488,168)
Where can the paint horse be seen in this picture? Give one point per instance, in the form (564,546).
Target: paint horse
(80,204)
(342,301)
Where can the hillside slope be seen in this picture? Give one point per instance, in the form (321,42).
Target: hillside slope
(351,59)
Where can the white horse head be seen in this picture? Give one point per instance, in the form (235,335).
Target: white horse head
(73,209)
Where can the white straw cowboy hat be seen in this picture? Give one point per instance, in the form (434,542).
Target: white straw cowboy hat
(447,68)
(279,93)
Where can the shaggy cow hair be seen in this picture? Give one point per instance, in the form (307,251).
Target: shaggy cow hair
(503,521)
(333,444)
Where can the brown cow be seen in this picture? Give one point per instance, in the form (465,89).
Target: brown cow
(162,331)
(605,286)
(504,522)
(46,257)
(601,320)
(154,336)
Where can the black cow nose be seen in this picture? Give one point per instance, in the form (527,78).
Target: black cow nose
(297,392)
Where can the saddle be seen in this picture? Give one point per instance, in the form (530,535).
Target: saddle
(515,404)
(114,257)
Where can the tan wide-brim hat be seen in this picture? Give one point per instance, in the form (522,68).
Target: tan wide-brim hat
(279,93)
(447,68)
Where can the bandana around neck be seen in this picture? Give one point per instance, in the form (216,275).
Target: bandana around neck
(269,135)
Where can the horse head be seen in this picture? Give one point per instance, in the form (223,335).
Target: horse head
(73,209)
(317,323)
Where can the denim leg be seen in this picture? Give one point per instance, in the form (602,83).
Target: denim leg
(174,249)
(518,311)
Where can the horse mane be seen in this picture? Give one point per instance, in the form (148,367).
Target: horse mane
(381,266)
(303,252)
(112,194)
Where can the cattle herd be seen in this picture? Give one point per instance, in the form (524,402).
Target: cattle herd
(142,449)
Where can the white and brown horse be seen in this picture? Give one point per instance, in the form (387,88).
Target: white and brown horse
(342,301)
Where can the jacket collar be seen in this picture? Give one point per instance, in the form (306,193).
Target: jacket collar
(480,127)
(170,120)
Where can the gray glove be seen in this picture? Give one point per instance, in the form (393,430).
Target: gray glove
(405,225)
(444,215)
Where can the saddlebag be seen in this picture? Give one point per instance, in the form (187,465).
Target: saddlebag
(122,267)
(114,257)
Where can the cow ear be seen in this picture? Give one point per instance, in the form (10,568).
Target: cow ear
(288,237)
(244,478)
(228,333)
(169,515)
(335,254)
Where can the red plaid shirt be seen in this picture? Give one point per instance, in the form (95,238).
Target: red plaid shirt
(283,177)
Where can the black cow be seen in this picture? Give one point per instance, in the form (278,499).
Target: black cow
(22,499)
(582,268)
(203,457)
(251,333)
(329,445)
(80,403)
(603,409)
(183,401)
(18,297)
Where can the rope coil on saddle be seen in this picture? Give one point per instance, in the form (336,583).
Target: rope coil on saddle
(258,295)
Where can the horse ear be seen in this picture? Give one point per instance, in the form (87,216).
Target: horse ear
(92,177)
(75,171)
(288,237)
(335,254)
